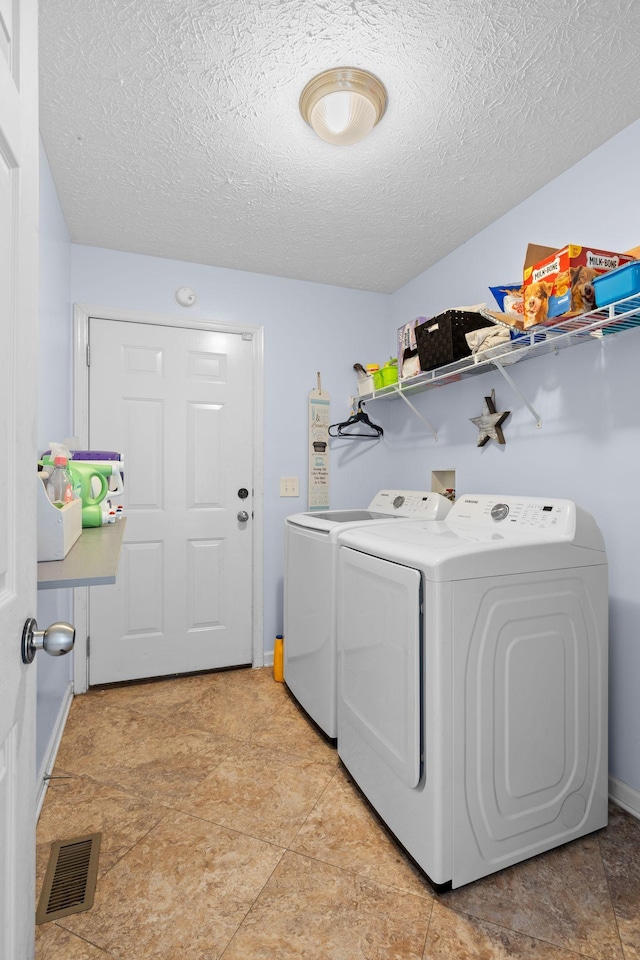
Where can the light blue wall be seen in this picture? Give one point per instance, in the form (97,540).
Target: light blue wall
(589,398)
(307,328)
(54,422)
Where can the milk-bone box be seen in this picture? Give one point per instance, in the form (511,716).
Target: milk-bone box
(558,283)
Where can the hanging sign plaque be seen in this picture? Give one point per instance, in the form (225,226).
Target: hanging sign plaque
(318,448)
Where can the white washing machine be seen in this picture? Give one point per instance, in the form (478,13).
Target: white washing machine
(472,680)
(309,592)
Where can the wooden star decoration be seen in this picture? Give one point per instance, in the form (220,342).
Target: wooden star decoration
(490,421)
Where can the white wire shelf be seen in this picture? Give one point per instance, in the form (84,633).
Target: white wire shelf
(613,319)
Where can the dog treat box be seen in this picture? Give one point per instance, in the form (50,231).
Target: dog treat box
(557,283)
(408,359)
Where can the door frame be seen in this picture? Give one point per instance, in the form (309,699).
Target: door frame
(81,314)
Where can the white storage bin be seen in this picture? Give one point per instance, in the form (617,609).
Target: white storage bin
(58,527)
(365,385)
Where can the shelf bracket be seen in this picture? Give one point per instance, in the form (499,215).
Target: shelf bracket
(418,414)
(534,413)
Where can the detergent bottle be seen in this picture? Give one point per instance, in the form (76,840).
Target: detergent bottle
(99,514)
(107,460)
(89,482)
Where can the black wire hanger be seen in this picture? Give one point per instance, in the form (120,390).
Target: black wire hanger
(357,427)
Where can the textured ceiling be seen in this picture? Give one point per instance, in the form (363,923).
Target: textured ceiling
(172,126)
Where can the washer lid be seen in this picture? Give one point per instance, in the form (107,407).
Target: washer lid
(387,504)
(328,519)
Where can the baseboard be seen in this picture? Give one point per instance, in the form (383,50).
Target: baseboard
(625,796)
(49,758)
(268,658)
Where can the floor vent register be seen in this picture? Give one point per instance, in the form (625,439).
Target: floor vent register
(70,881)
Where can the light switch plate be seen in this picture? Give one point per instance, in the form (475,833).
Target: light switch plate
(289,487)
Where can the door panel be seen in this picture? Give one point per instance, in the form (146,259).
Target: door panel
(205,568)
(177,403)
(143,436)
(18,390)
(205,453)
(141,568)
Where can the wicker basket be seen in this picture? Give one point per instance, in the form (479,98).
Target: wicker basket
(441,340)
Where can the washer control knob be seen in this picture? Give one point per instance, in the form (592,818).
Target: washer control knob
(499,512)
(398,502)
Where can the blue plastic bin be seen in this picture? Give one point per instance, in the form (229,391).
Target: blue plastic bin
(617,284)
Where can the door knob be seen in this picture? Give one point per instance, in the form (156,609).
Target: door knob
(243,516)
(56,640)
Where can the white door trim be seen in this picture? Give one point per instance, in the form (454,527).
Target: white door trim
(81,314)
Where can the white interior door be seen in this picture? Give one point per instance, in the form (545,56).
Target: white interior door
(18,336)
(177,403)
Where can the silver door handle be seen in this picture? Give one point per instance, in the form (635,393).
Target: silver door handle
(243,516)
(56,640)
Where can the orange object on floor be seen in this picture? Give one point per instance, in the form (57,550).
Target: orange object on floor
(278,659)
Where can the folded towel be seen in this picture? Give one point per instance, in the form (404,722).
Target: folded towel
(484,339)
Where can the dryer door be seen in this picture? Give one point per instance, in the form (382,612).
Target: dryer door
(379,654)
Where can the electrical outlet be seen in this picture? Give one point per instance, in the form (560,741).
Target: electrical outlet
(289,487)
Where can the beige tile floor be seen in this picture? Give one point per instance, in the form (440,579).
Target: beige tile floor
(230,830)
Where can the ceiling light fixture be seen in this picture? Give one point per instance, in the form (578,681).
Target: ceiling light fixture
(343,105)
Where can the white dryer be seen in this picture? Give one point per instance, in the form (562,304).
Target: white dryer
(310,589)
(472,680)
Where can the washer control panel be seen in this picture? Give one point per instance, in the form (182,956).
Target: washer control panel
(517,514)
(417,504)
